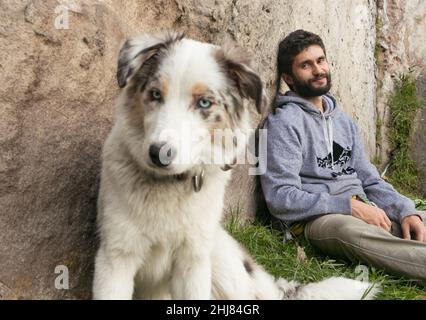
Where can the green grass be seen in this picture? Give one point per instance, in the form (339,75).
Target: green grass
(379,124)
(404,104)
(420,204)
(282,259)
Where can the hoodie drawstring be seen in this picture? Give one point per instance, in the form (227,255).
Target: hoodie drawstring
(328,135)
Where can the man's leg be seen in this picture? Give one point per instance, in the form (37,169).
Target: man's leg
(346,236)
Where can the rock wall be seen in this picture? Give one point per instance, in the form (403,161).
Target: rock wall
(347,28)
(58,88)
(400,50)
(418,141)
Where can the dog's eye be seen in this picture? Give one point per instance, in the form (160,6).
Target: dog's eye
(204,103)
(156,95)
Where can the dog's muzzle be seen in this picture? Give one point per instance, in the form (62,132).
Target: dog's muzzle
(162,154)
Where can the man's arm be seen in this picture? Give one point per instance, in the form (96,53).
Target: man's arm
(396,206)
(370,214)
(411,224)
(281,183)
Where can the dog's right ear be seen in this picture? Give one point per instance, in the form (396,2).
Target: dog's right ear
(131,59)
(237,65)
(142,52)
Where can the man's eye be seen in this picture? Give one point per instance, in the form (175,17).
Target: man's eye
(204,103)
(304,66)
(156,95)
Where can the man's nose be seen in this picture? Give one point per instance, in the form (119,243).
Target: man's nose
(316,69)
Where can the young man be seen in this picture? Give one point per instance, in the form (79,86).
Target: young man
(319,181)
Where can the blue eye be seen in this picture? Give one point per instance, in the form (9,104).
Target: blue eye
(156,95)
(204,103)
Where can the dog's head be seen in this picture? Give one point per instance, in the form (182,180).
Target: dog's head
(182,100)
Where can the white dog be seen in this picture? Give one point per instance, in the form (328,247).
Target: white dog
(159,211)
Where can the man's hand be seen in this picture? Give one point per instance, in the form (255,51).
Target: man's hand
(413,224)
(370,214)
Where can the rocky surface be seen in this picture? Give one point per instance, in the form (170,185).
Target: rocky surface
(58,66)
(418,141)
(400,50)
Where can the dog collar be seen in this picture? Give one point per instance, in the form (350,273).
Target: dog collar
(197,180)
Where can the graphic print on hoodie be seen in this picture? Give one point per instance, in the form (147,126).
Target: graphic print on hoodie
(339,158)
(316,162)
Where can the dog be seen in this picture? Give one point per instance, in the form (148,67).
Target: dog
(159,217)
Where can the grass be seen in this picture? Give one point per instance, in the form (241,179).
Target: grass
(379,124)
(420,204)
(404,104)
(287,260)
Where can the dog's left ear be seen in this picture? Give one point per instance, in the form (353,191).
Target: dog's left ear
(141,54)
(237,66)
(131,59)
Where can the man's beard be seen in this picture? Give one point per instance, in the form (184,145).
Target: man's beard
(306,88)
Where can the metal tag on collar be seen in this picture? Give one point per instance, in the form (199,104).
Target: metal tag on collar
(197,181)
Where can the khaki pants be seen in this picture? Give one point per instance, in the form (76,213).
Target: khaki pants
(345,236)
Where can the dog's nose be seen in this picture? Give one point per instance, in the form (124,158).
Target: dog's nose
(162,154)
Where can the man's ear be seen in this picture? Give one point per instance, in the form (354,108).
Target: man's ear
(287,79)
(142,53)
(236,64)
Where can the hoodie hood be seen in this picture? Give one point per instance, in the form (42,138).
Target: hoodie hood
(291,97)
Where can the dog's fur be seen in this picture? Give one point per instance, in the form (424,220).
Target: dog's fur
(159,237)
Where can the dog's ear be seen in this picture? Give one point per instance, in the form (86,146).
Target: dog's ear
(131,59)
(142,53)
(236,64)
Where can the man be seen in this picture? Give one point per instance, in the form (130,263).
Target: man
(320,183)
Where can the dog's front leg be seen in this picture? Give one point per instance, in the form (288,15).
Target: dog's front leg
(191,275)
(114,276)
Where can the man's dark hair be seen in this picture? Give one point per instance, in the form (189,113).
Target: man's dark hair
(290,47)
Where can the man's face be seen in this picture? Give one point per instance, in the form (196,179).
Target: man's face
(311,74)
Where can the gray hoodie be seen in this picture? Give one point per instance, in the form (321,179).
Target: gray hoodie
(316,162)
